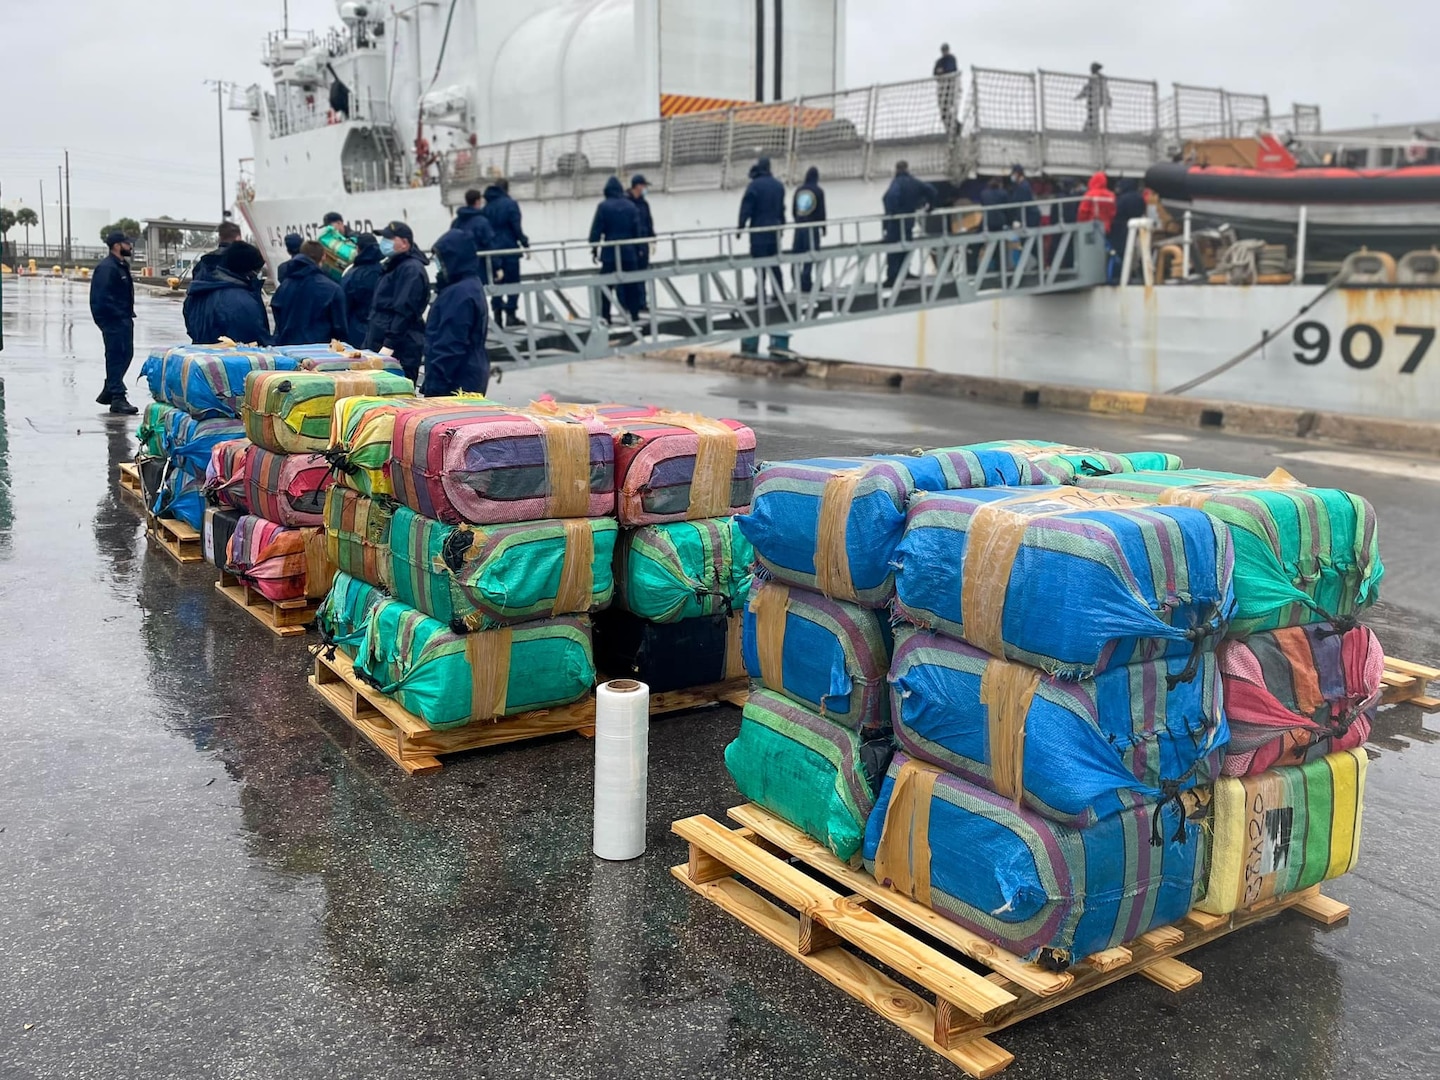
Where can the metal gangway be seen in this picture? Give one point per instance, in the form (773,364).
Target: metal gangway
(704,287)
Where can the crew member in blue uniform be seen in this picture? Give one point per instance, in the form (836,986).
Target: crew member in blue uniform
(112,306)
(292,248)
(309,306)
(229,304)
(503,213)
(397,318)
(455,356)
(638,186)
(807,207)
(616,218)
(471,219)
(905,195)
(358,285)
(1021,192)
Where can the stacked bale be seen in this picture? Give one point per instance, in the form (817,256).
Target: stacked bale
(278,545)
(682,566)
(1301,677)
(476,553)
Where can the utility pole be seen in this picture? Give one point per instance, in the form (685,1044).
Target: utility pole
(69,210)
(220,122)
(44,243)
(60,186)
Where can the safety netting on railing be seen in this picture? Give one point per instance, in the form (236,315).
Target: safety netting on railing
(831,133)
(1306,119)
(1248,114)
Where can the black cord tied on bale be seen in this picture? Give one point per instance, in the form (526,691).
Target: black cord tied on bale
(1342,625)
(1198,636)
(339,461)
(1169,793)
(1091,468)
(456,546)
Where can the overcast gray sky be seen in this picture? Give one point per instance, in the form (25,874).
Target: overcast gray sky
(120,82)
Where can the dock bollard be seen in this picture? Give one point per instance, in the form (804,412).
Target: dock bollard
(622,759)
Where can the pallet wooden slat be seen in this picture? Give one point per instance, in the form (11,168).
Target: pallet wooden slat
(1409,683)
(730,692)
(130,481)
(284,618)
(179,540)
(956,1030)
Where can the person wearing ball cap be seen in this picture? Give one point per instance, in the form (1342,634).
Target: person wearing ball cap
(397,316)
(112,306)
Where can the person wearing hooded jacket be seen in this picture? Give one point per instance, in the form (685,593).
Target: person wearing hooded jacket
(471,219)
(358,285)
(1098,202)
(397,316)
(309,306)
(905,195)
(1129,204)
(807,207)
(762,207)
(292,248)
(455,357)
(228,303)
(616,218)
(503,213)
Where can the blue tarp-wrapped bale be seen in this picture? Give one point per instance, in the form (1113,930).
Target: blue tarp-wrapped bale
(831,524)
(816,774)
(828,655)
(188,444)
(1028,462)
(1022,881)
(1075,752)
(1062,579)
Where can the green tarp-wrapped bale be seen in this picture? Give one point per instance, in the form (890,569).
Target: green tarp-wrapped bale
(478,577)
(343,612)
(1302,555)
(684,570)
(449,679)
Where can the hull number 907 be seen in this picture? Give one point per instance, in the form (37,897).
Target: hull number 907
(1361,345)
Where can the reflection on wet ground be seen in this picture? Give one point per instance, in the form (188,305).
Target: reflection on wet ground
(203,872)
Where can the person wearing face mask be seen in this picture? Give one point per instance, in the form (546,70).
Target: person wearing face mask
(359,285)
(112,306)
(397,316)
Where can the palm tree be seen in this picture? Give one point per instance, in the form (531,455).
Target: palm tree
(25,218)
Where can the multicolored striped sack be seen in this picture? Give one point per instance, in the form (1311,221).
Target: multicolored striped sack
(153,372)
(188,444)
(473,578)
(278,562)
(449,679)
(362,430)
(1069,581)
(1297,694)
(674,466)
(225,474)
(156,419)
(287,488)
(668,656)
(210,382)
(683,569)
(357,534)
(828,655)
(289,412)
(818,775)
(1302,554)
(1075,752)
(831,525)
(1025,462)
(487,466)
(1031,885)
(1284,830)
(340,356)
(344,611)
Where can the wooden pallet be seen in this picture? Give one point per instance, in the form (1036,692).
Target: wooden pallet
(179,540)
(1409,682)
(738,869)
(130,481)
(285,618)
(411,743)
(728,692)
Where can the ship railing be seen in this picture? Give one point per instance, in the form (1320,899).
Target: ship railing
(980,121)
(1211,112)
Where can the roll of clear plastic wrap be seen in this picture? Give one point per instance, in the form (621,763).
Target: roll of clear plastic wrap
(622,754)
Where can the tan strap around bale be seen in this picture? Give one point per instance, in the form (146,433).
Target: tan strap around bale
(993,543)
(319,568)
(354,384)
(567,466)
(577,571)
(768,604)
(338,346)
(903,858)
(832,560)
(715,457)
(1006,690)
(488,654)
(550,407)
(1200,494)
(734,647)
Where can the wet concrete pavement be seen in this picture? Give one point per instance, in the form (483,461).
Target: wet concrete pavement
(202,872)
